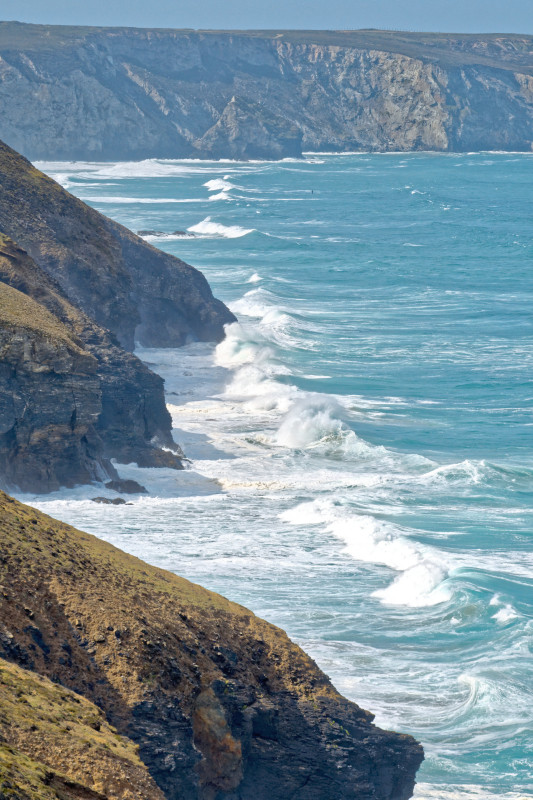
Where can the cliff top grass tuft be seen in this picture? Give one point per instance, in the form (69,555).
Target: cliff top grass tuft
(18,311)
(52,739)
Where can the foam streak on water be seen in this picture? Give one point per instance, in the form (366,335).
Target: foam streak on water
(361,439)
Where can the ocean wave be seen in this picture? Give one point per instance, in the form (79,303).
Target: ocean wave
(422,569)
(315,423)
(220,196)
(121,200)
(255,303)
(219,185)
(474,473)
(216,230)
(166,237)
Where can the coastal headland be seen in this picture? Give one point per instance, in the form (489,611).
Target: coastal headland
(131,93)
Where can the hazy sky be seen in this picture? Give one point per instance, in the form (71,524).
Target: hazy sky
(422,15)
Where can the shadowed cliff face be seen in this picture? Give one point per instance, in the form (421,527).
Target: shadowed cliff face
(121,93)
(70,398)
(126,285)
(50,399)
(222,704)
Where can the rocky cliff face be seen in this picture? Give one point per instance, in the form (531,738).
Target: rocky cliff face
(71,401)
(121,93)
(50,399)
(125,285)
(70,398)
(222,704)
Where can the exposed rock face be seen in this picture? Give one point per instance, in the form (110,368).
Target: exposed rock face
(123,283)
(50,399)
(222,704)
(70,398)
(71,401)
(123,93)
(248,130)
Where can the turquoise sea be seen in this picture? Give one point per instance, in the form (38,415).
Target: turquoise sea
(362,468)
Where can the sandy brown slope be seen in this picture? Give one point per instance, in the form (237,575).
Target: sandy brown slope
(222,704)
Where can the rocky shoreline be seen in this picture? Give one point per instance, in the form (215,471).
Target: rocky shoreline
(119,680)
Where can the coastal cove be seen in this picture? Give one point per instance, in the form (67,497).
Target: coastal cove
(360,442)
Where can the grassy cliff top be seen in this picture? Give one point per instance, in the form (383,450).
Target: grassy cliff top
(56,744)
(18,311)
(179,669)
(499,50)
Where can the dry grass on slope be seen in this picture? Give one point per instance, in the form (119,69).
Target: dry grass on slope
(56,744)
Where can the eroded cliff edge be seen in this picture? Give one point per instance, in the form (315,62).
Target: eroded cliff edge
(71,395)
(222,704)
(125,93)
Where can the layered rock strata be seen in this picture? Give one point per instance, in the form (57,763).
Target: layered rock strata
(50,399)
(123,93)
(222,704)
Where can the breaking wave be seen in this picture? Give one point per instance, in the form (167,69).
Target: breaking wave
(216,230)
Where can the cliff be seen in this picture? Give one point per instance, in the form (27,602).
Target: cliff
(70,398)
(119,93)
(222,704)
(124,284)
(49,399)
(71,395)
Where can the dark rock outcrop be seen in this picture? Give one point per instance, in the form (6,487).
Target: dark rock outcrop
(50,400)
(124,93)
(70,402)
(123,283)
(222,704)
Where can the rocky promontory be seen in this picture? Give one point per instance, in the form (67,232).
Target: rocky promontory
(220,703)
(72,397)
(138,293)
(129,93)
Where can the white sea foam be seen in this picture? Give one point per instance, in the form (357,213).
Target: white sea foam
(255,278)
(254,303)
(220,196)
(315,422)
(505,614)
(210,229)
(422,569)
(219,185)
